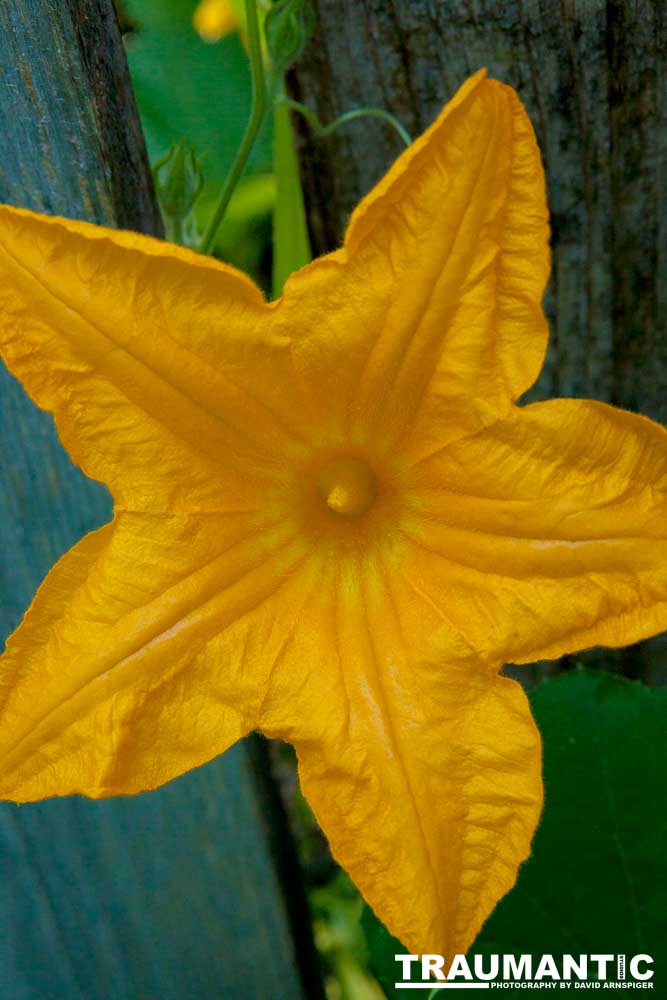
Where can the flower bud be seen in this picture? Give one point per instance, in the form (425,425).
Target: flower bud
(178,180)
(287,27)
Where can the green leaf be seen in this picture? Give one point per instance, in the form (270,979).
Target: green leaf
(187,88)
(595,882)
(381,950)
(336,909)
(291,246)
(596,879)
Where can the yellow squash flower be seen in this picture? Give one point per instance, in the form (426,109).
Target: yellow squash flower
(332,522)
(214,19)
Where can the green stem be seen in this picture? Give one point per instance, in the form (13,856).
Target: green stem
(257,115)
(175,231)
(322,130)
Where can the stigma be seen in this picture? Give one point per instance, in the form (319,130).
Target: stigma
(348,487)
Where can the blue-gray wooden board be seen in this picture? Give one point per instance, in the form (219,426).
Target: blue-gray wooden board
(176,894)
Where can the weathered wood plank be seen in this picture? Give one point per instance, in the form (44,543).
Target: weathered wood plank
(181,892)
(70,138)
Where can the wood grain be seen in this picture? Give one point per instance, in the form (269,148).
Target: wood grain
(191,891)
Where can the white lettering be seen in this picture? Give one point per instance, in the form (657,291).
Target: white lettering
(406,961)
(634,967)
(479,967)
(459,967)
(432,965)
(547,967)
(602,963)
(579,968)
(517,970)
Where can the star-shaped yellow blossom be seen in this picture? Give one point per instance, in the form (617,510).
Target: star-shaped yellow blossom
(332,522)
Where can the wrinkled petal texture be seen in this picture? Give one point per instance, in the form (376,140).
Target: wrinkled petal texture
(425,776)
(118,679)
(547,532)
(141,351)
(432,810)
(427,324)
(332,521)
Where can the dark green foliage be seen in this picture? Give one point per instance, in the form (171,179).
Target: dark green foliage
(193,91)
(596,879)
(186,88)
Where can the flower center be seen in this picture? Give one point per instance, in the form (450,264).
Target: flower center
(348,487)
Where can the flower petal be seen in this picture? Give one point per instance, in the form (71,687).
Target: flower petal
(140,657)
(425,776)
(547,532)
(429,318)
(141,351)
